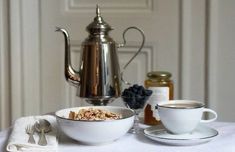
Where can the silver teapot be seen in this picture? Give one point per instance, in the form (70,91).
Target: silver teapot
(99,78)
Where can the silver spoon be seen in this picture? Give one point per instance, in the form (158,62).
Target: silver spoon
(42,126)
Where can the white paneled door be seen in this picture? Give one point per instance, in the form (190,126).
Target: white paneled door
(182,37)
(40,80)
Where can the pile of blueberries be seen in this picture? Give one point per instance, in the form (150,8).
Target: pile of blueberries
(135,96)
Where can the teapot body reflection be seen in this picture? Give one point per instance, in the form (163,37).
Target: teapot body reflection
(99,78)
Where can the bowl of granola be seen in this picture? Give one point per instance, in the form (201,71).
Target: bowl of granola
(95,124)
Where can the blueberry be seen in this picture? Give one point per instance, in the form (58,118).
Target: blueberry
(141,88)
(136,86)
(140,92)
(138,97)
(135,90)
(148,92)
(131,103)
(132,95)
(142,103)
(129,99)
(125,92)
(137,105)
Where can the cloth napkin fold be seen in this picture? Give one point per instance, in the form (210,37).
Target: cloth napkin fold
(18,140)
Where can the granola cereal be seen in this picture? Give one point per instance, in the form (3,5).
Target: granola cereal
(93,114)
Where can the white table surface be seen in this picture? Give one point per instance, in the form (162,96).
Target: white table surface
(224,142)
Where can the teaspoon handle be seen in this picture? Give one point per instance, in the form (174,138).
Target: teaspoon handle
(42,139)
(31,139)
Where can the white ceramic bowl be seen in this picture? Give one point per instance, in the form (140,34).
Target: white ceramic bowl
(96,132)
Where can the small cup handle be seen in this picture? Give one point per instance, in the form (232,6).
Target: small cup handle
(210,111)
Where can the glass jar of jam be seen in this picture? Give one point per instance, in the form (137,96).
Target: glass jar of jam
(162,86)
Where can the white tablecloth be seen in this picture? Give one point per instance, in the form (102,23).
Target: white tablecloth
(224,142)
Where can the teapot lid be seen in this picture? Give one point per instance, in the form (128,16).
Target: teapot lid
(98,25)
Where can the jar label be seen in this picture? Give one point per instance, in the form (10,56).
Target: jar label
(159,94)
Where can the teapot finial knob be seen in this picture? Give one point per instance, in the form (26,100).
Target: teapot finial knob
(97,10)
(98,25)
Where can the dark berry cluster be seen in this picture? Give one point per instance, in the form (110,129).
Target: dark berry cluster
(136,96)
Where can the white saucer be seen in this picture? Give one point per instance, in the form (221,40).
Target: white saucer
(202,134)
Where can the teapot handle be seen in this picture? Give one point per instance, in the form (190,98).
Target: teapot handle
(124,43)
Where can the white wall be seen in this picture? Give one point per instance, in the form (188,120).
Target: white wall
(193,39)
(4,66)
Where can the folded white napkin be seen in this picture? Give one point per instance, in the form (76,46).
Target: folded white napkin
(18,140)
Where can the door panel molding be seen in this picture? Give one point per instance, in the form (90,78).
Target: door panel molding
(109,6)
(193,52)
(212,46)
(25,57)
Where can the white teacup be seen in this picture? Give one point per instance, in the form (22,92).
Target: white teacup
(183,116)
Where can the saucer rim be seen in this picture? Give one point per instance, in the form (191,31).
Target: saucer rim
(183,139)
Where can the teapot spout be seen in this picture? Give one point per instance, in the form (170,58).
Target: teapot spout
(71,75)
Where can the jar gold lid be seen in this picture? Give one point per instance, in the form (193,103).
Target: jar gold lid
(159,74)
